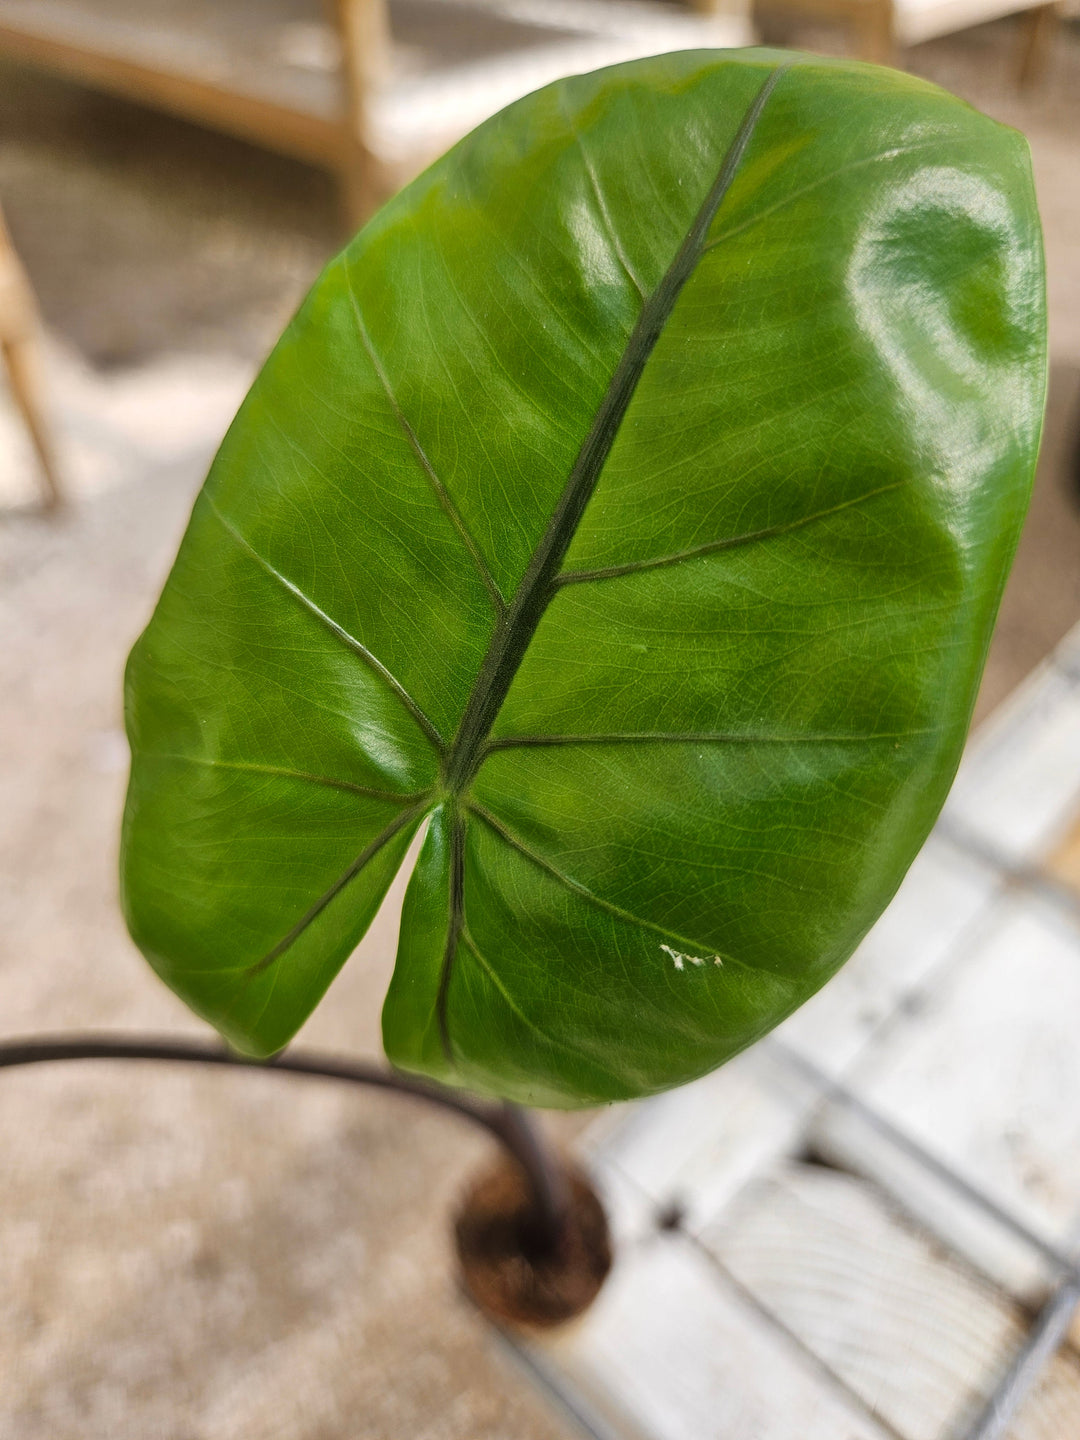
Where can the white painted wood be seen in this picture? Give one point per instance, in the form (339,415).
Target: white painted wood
(1067,655)
(1018,787)
(631,1213)
(1012,1263)
(979,1062)
(942,894)
(699,1144)
(671,1352)
(987,1075)
(916,1334)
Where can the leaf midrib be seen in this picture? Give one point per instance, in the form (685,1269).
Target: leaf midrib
(517,623)
(515,629)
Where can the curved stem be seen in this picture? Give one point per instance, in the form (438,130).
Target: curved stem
(547,1178)
(510,1125)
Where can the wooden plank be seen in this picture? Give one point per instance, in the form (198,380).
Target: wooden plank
(19,338)
(846,1139)
(942,894)
(917,21)
(1052,1411)
(365,47)
(1064,863)
(1018,788)
(698,1145)
(874,24)
(315,138)
(669,1351)
(880,27)
(917,1334)
(983,1075)
(283,51)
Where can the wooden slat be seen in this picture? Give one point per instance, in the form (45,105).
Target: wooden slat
(918,1335)
(847,1140)
(670,1351)
(19,337)
(697,1146)
(1018,788)
(308,137)
(983,1075)
(365,46)
(1064,863)
(942,894)
(1052,1411)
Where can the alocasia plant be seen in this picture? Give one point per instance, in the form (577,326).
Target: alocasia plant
(630,503)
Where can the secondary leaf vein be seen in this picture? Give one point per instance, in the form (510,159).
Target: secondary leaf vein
(335,629)
(453,932)
(699,737)
(443,495)
(367,854)
(711,547)
(285,773)
(569,883)
(602,207)
(474,950)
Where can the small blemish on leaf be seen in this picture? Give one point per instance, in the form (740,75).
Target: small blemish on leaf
(680,961)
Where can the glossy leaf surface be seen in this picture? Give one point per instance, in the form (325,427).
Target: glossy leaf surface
(632,500)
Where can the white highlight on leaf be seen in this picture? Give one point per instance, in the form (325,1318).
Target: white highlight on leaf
(679,960)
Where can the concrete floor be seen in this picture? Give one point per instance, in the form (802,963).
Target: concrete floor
(193,1256)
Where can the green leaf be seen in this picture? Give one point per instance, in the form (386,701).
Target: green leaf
(632,499)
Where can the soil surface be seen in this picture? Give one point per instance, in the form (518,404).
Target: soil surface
(512,1270)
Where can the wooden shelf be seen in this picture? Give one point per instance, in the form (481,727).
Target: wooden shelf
(327,83)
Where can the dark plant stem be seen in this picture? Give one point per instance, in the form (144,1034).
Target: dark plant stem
(509,1124)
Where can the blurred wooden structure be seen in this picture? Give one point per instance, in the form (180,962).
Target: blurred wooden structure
(880,29)
(315,79)
(198,69)
(19,333)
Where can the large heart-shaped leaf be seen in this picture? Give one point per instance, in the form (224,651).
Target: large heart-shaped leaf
(632,499)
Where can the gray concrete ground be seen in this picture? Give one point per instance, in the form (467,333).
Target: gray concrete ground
(191,1256)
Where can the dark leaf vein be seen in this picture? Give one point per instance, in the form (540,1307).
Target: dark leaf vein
(335,629)
(534,593)
(399,822)
(569,883)
(285,773)
(474,950)
(700,737)
(453,931)
(711,547)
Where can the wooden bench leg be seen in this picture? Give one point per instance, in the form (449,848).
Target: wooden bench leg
(362,190)
(1039,25)
(18,350)
(20,362)
(872,22)
(365,46)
